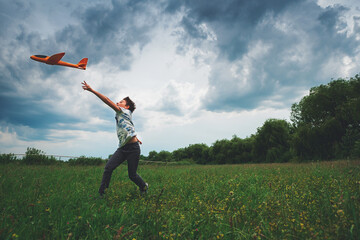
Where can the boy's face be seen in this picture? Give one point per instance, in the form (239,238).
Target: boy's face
(122,104)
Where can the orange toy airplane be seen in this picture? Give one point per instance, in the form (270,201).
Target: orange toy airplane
(55,60)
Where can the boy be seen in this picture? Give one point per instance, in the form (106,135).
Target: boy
(129,148)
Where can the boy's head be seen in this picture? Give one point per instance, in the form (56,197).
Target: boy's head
(130,104)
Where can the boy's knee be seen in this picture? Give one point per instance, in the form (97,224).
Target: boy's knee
(108,168)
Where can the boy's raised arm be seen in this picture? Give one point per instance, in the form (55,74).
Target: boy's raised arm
(105,99)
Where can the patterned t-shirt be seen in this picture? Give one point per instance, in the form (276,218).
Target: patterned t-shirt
(124,126)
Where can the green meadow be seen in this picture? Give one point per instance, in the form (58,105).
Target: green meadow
(263,201)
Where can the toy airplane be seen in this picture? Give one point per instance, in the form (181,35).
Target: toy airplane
(55,60)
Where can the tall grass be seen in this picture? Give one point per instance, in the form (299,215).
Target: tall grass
(267,201)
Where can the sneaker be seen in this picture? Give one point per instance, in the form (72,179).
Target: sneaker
(145,189)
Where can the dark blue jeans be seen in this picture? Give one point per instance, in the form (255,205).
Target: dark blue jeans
(129,152)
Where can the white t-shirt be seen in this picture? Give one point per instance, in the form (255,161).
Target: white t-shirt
(124,126)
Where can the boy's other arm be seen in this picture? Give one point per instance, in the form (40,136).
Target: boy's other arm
(105,99)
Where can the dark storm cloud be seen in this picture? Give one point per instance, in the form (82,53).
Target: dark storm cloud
(110,31)
(103,32)
(21,108)
(22,112)
(330,17)
(9,12)
(232,21)
(294,40)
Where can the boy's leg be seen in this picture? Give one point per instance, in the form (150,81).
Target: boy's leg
(116,159)
(133,156)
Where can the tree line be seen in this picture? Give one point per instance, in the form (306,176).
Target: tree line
(323,125)
(35,156)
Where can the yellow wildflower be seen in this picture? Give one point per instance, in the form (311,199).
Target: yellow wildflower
(340,212)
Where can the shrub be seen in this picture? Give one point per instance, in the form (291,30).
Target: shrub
(35,156)
(86,161)
(187,161)
(7,158)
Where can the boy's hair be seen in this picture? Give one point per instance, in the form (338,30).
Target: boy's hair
(130,103)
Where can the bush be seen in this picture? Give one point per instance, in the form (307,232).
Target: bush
(35,156)
(187,161)
(86,161)
(7,158)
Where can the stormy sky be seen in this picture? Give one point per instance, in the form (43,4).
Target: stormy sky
(198,71)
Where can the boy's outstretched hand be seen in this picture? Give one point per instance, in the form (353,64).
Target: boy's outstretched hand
(86,86)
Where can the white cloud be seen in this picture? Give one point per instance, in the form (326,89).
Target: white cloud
(208,127)
(63,142)
(180,98)
(353,10)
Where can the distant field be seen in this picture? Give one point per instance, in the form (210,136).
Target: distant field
(267,201)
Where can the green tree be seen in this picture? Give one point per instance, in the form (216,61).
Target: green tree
(219,152)
(35,156)
(198,153)
(272,141)
(232,151)
(179,154)
(164,156)
(86,161)
(242,149)
(7,158)
(326,120)
(152,156)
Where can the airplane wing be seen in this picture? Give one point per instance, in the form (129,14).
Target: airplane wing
(55,58)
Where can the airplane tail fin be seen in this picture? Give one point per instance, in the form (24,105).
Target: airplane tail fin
(82,64)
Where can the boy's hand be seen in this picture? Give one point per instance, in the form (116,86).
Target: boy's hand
(138,140)
(86,86)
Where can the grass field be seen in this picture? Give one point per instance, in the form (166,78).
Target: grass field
(267,201)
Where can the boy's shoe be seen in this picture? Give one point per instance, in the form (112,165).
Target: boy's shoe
(145,189)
